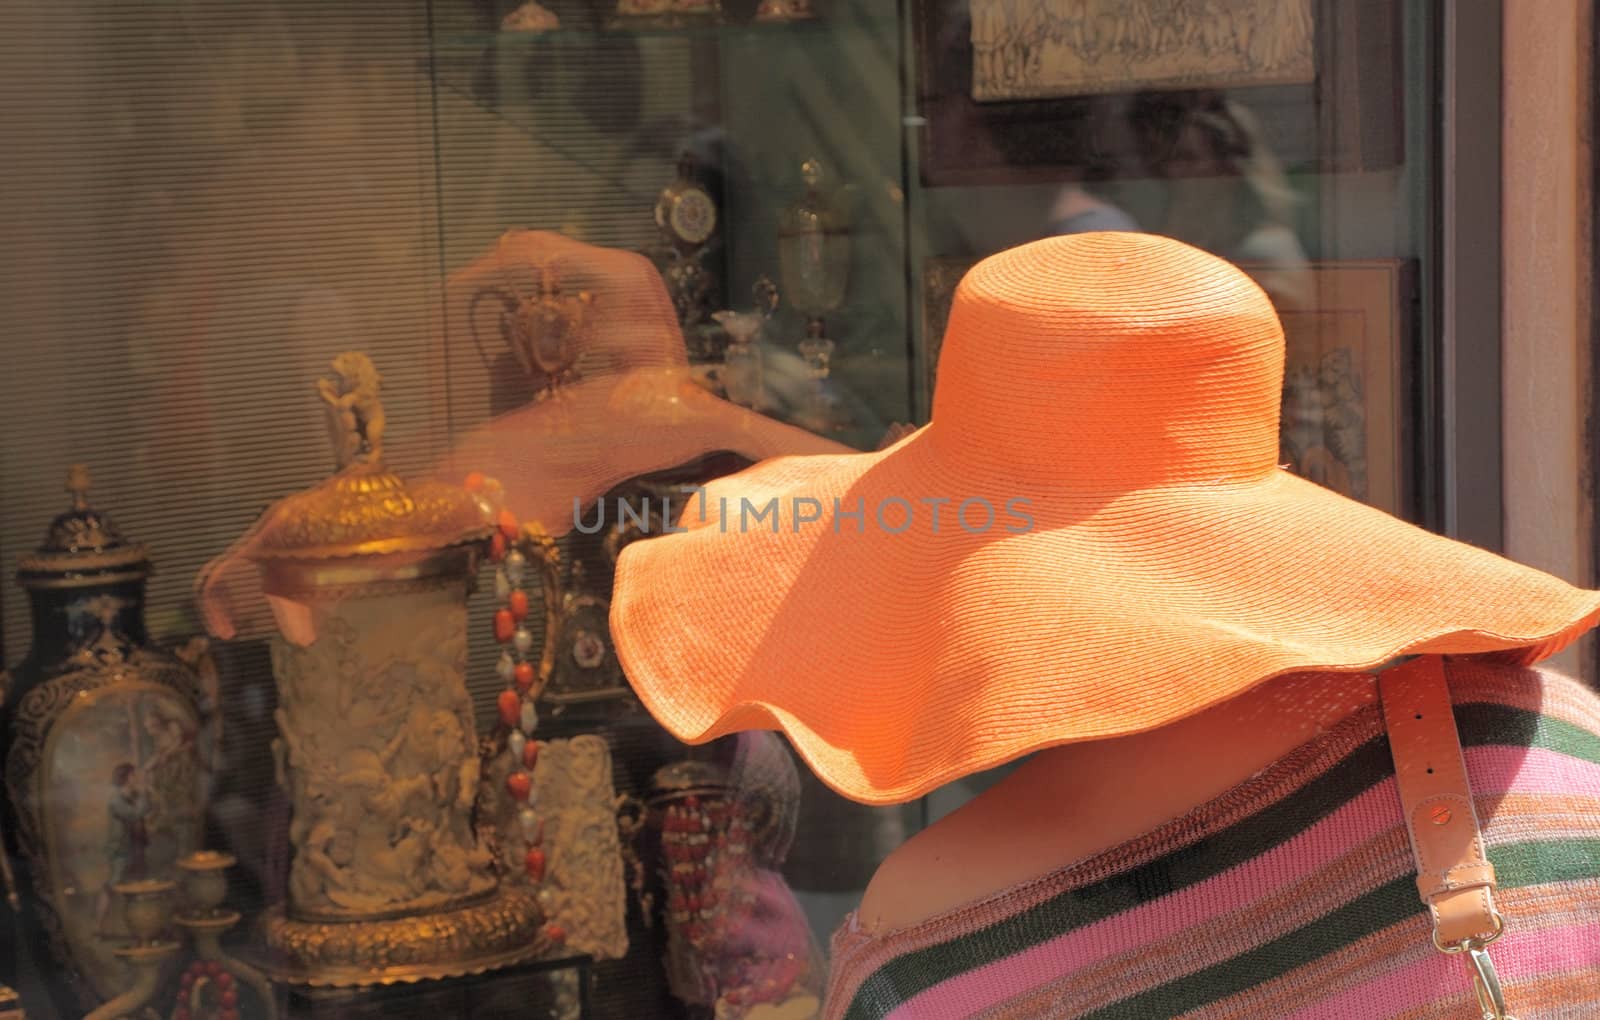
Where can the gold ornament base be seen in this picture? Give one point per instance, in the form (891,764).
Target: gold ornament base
(499,932)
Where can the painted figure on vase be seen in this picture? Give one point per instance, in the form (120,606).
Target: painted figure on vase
(130,807)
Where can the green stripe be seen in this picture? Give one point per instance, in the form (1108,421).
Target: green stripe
(1480,724)
(1521,864)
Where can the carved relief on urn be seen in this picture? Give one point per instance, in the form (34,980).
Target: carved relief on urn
(368,577)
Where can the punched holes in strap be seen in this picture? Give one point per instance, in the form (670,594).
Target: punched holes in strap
(1454,877)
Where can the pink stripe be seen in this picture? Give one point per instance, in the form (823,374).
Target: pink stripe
(1517,957)
(1492,770)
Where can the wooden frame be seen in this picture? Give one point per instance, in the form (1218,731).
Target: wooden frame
(1345,421)
(1349,118)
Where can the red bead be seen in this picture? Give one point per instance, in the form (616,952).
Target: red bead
(523,675)
(510,707)
(474,482)
(230,996)
(519,604)
(555,933)
(228,1014)
(225,979)
(530,754)
(533,860)
(507,523)
(187,981)
(181,1013)
(505,625)
(497,547)
(213,968)
(519,786)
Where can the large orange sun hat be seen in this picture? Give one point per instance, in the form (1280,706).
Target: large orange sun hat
(1115,548)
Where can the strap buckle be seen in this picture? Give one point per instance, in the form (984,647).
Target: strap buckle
(1486,983)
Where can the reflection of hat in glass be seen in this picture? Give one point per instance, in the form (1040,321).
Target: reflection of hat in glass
(633,409)
(1116,548)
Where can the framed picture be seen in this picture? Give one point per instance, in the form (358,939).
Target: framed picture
(1018,91)
(1344,422)
(1344,419)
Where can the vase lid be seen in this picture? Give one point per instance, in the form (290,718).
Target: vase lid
(82,546)
(365,509)
(681,778)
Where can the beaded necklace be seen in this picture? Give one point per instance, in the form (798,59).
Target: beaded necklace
(516,704)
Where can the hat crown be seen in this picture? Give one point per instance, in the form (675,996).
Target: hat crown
(1110,360)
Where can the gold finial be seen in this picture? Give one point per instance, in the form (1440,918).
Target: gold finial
(355,414)
(78,485)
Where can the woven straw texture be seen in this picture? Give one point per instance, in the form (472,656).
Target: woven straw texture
(1108,407)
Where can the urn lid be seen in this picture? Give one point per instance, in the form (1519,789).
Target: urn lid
(365,509)
(82,547)
(683,778)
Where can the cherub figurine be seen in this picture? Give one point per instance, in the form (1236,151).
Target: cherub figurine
(355,414)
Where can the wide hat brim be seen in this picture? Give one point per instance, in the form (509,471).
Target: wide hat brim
(899,660)
(554,458)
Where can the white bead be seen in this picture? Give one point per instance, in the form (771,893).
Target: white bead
(523,639)
(530,718)
(515,743)
(506,667)
(529,820)
(515,564)
(502,585)
(547,898)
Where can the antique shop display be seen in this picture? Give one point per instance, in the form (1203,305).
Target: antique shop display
(530,17)
(367,576)
(665,13)
(562,838)
(1039,49)
(814,260)
(631,405)
(785,10)
(1035,91)
(737,938)
(814,247)
(106,748)
(147,918)
(741,374)
(540,326)
(210,987)
(687,219)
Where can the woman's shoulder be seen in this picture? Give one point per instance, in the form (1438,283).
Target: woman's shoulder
(1517,698)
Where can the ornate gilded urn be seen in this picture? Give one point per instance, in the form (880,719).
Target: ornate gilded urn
(368,577)
(107,743)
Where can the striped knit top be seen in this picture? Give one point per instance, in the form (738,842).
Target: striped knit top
(1291,896)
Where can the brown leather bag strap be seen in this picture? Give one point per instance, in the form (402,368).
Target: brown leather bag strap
(1454,876)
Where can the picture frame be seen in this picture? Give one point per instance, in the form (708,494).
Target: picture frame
(1345,417)
(1349,117)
